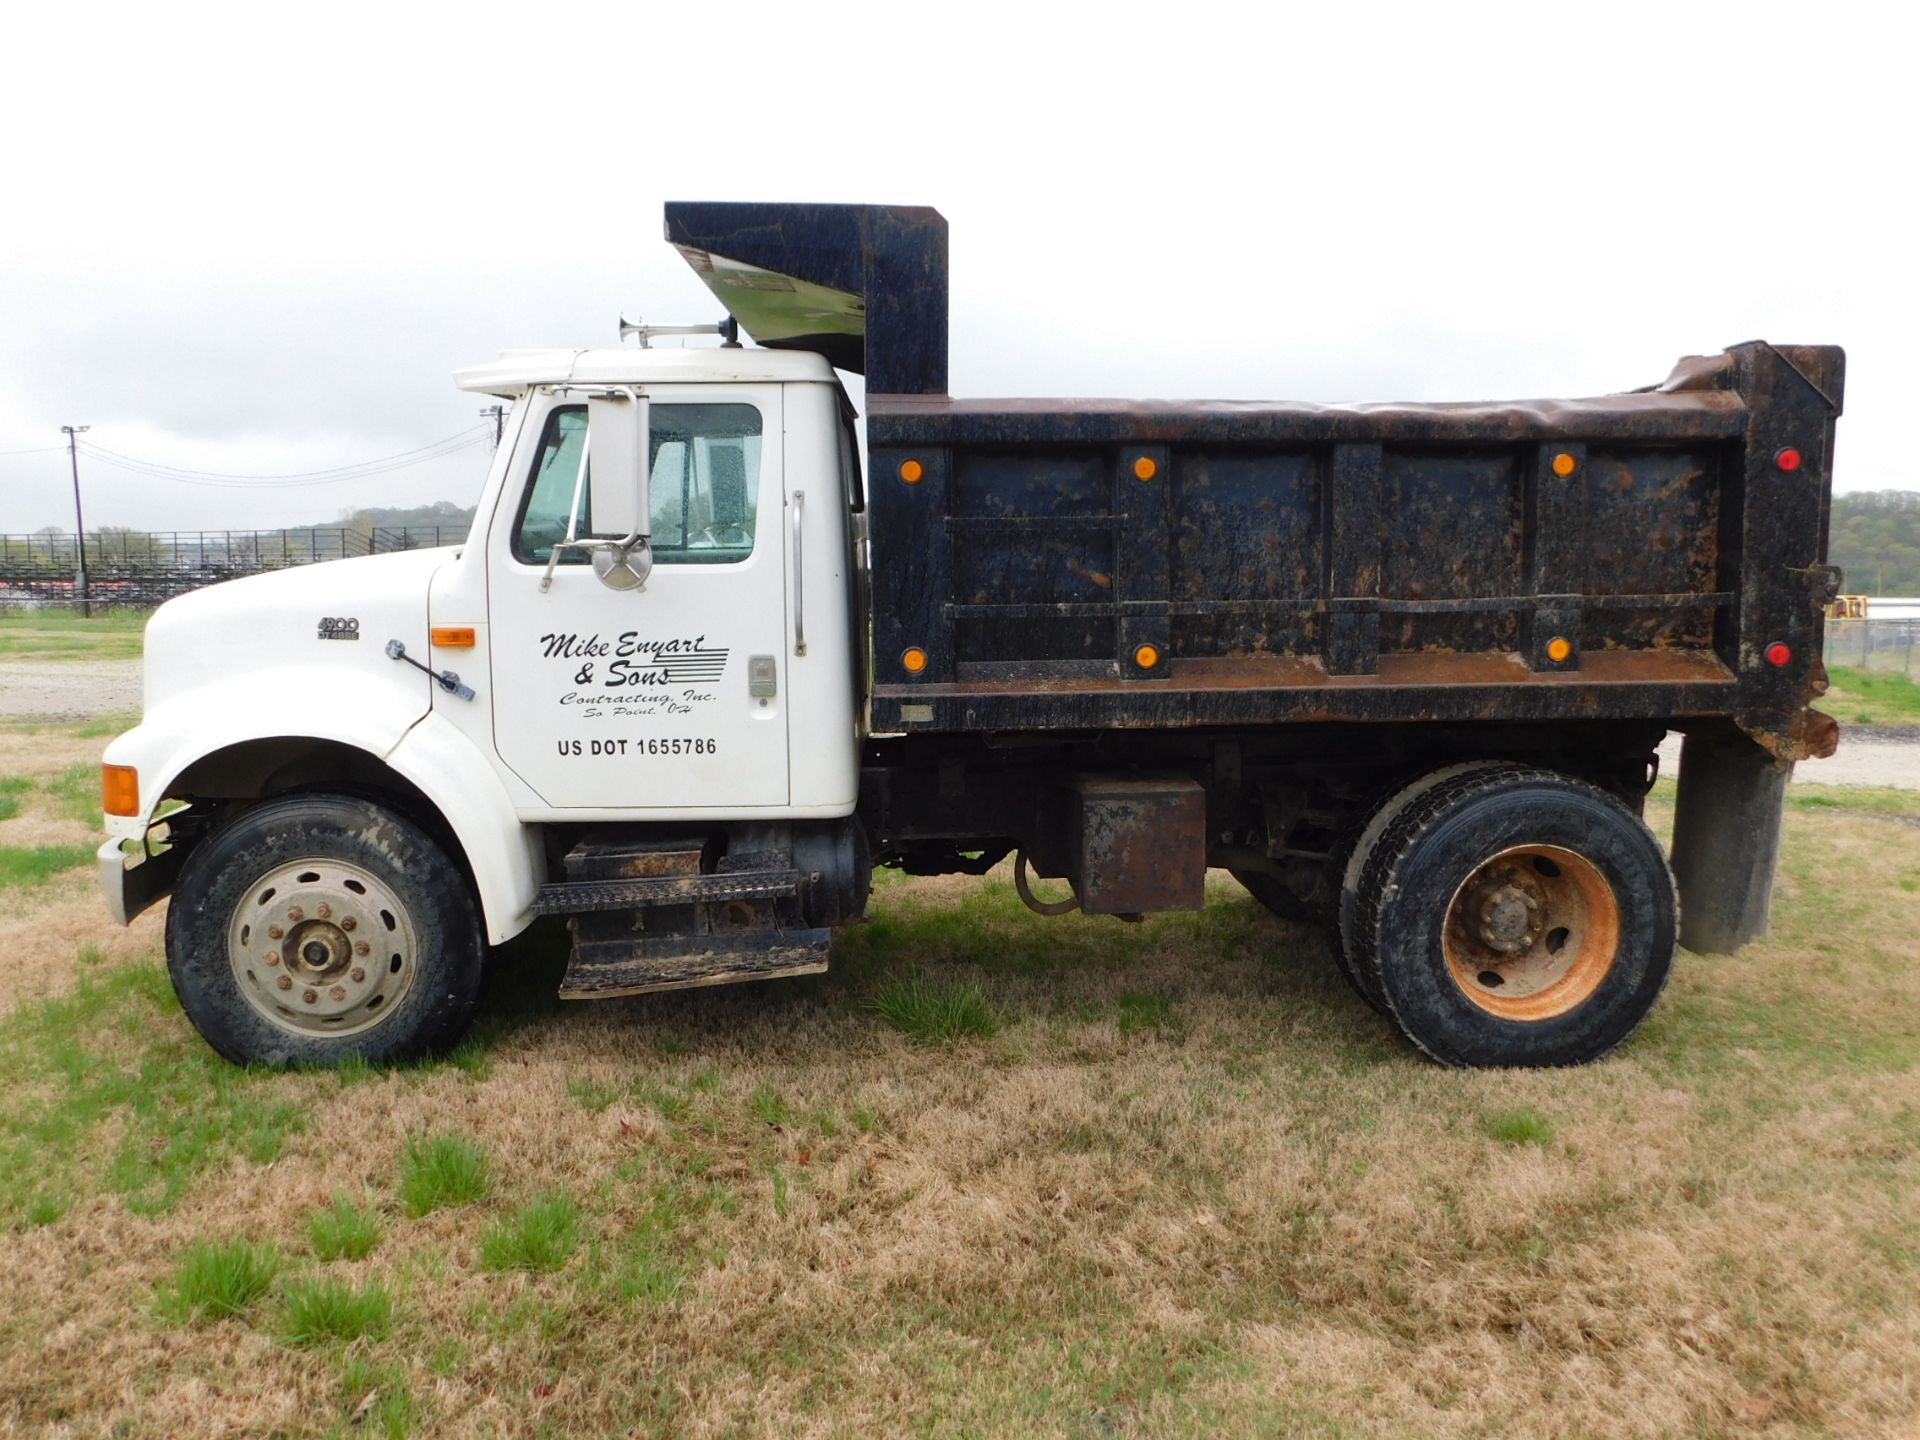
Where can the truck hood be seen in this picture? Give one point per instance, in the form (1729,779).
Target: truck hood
(328,624)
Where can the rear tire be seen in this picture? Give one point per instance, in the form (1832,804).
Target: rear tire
(1516,918)
(1352,942)
(318,928)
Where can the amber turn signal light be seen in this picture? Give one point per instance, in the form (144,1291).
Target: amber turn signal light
(120,790)
(1144,468)
(1563,464)
(911,471)
(453,637)
(1146,657)
(913,659)
(1559,648)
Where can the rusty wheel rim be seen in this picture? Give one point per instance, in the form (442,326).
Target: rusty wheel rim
(1532,933)
(322,947)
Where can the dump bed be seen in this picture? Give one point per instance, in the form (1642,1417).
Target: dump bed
(1047,565)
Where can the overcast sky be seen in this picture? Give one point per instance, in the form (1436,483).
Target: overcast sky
(257,240)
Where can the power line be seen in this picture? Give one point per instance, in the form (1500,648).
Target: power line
(36,450)
(465,436)
(439,449)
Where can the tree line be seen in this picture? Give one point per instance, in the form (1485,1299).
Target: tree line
(1874,536)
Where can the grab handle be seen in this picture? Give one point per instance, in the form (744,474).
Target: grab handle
(799,589)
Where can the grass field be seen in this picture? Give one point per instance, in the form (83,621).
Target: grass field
(990,1175)
(68,635)
(1872,697)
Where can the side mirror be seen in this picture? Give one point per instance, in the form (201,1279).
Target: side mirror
(618,498)
(617,472)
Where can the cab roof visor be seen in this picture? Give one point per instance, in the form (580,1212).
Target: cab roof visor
(863,285)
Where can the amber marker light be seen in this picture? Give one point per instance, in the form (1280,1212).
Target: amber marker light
(1787,458)
(1779,653)
(453,637)
(1563,464)
(120,790)
(911,471)
(1559,648)
(1146,657)
(1144,468)
(913,660)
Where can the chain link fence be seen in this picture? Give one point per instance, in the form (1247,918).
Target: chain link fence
(138,569)
(1885,643)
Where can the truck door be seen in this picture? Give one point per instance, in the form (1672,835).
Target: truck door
(673,696)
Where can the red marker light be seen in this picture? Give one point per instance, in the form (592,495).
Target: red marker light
(1778,653)
(1787,459)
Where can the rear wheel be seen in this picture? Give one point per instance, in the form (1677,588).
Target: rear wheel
(1516,917)
(317,928)
(1352,941)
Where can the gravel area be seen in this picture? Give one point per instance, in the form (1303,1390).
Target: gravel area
(69,689)
(1868,755)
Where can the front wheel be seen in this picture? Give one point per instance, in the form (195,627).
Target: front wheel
(1517,917)
(318,928)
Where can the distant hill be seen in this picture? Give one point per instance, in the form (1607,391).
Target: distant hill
(1874,535)
(443,513)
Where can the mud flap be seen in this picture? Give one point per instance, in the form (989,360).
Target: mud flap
(1726,840)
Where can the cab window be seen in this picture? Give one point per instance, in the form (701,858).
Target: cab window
(703,478)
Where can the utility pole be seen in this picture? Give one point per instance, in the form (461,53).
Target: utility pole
(498,414)
(73,434)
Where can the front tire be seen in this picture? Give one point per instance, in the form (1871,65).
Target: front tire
(318,928)
(1517,918)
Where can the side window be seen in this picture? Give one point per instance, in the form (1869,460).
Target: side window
(543,508)
(704,479)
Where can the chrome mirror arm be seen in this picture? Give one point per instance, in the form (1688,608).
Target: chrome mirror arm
(573,517)
(613,560)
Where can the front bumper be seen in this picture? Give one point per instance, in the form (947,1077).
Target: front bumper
(130,883)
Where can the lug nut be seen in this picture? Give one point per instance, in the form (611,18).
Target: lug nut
(285,982)
(272,957)
(310,996)
(296,913)
(338,992)
(274,932)
(357,975)
(348,923)
(360,947)
(323,910)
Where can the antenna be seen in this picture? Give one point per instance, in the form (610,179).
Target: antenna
(728,330)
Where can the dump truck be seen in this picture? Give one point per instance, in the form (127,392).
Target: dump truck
(1401,669)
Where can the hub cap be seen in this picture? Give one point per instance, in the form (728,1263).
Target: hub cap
(1532,932)
(321,947)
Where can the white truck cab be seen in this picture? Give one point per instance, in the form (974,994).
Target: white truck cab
(722,684)
(652,621)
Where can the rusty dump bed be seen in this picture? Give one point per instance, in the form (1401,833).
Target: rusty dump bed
(1046,565)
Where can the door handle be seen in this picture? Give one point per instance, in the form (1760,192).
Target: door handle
(799,591)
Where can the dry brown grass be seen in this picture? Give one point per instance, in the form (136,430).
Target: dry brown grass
(1256,1213)
(44,928)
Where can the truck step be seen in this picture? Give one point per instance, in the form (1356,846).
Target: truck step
(573,897)
(639,967)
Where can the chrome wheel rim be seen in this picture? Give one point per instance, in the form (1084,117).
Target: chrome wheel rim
(322,948)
